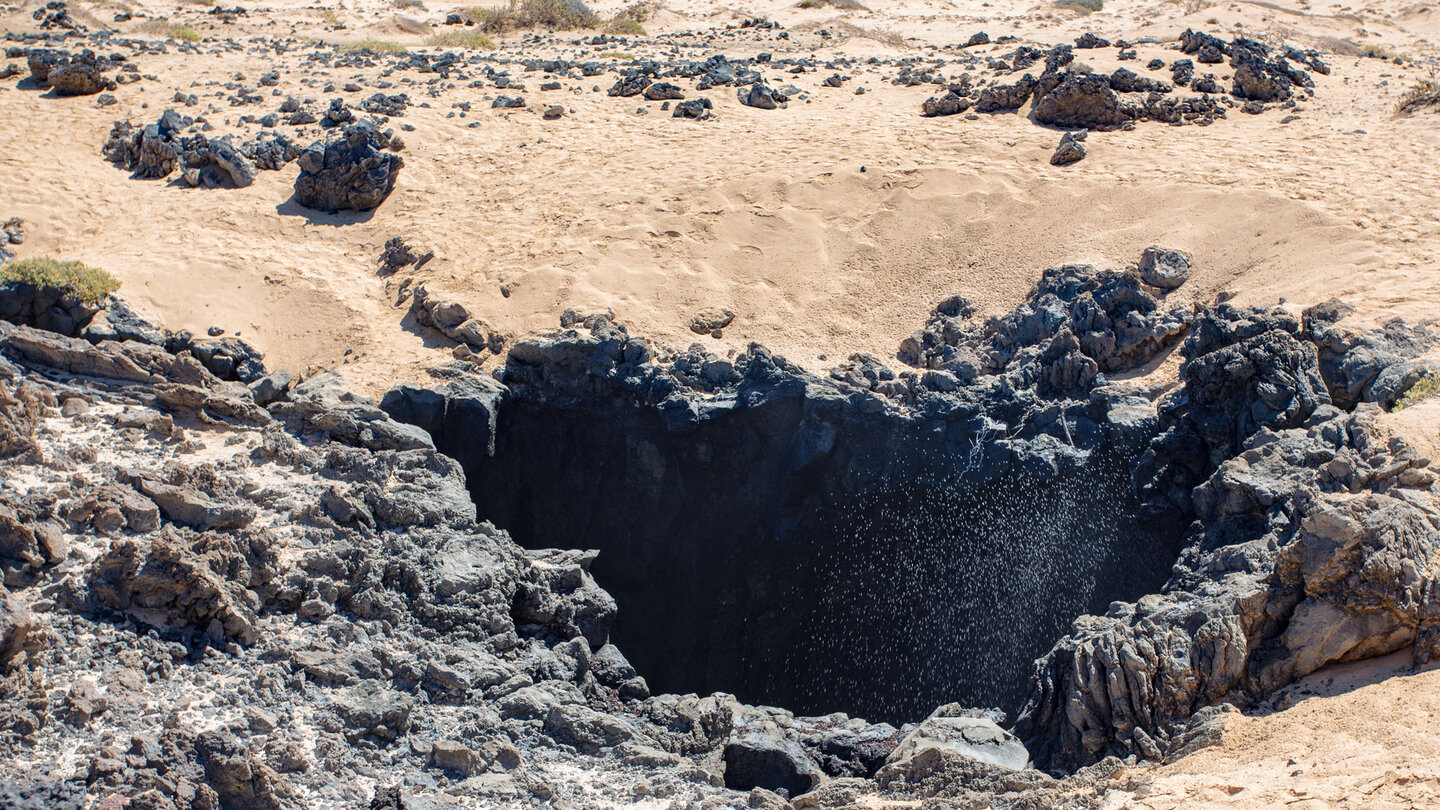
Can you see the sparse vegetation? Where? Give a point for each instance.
(87, 284)
(375, 45)
(621, 55)
(625, 27)
(1086, 6)
(627, 22)
(556, 15)
(164, 28)
(1377, 51)
(640, 11)
(403, 4)
(843, 5)
(473, 40)
(1425, 93)
(1427, 387)
(330, 17)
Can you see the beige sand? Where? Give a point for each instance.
(1363, 735)
(766, 213)
(770, 215)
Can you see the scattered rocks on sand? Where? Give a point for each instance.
(157, 150)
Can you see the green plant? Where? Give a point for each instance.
(90, 285)
(621, 55)
(184, 32)
(375, 46)
(474, 40)
(1086, 6)
(1425, 388)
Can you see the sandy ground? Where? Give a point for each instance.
(766, 213)
(830, 227)
(1362, 735)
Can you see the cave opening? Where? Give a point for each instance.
(822, 561)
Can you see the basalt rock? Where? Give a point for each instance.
(761, 97)
(1041, 367)
(1070, 150)
(696, 108)
(41, 61)
(1005, 97)
(1165, 269)
(663, 91)
(50, 308)
(159, 149)
(455, 321)
(350, 173)
(81, 75)
(1311, 551)
(1083, 101)
(291, 604)
(951, 103)
(1368, 365)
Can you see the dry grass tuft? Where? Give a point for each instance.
(1425, 93)
(556, 15)
(374, 46)
(164, 28)
(472, 40)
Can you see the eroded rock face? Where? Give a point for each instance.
(817, 461)
(321, 580)
(1310, 551)
(315, 577)
(352, 173)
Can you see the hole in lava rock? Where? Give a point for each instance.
(865, 563)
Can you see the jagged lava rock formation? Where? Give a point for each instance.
(213, 603)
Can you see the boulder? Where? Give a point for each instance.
(951, 103)
(711, 320)
(967, 733)
(764, 758)
(761, 97)
(664, 91)
(1070, 150)
(80, 78)
(1083, 101)
(1164, 268)
(351, 173)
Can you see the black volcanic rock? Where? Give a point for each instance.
(350, 173)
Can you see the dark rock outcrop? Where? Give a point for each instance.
(1083, 101)
(350, 173)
